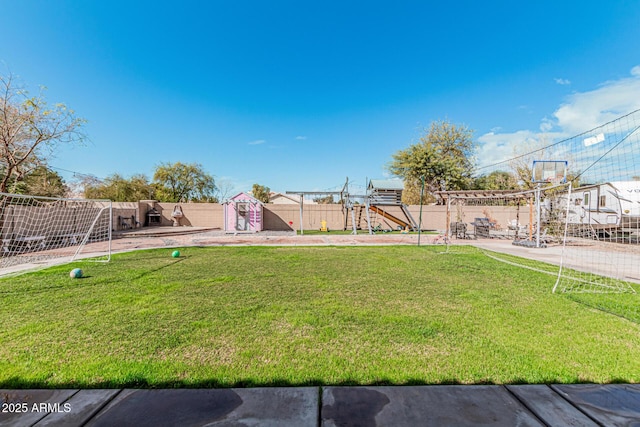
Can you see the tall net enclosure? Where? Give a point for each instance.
(489, 214)
(601, 209)
(37, 231)
(499, 221)
(594, 217)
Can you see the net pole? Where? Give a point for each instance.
(420, 219)
(538, 209)
(564, 238)
(111, 228)
(448, 221)
(301, 216)
(530, 219)
(85, 239)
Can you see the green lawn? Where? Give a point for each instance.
(249, 316)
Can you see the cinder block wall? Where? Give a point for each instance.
(434, 217)
(125, 214)
(287, 217)
(194, 214)
(278, 217)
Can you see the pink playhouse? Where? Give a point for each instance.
(242, 213)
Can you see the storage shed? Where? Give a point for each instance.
(242, 213)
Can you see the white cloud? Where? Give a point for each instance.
(500, 147)
(546, 124)
(586, 110)
(301, 138)
(257, 142)
(562, 81)
(580, 112)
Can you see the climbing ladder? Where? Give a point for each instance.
(355, 218)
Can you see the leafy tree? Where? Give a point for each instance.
(443, 157)
(30, 131)
(119, 189)
(184, 182)
(40, 181)
(260, 192)
(411, 195)
(43, 181)
(497, 180)
(523, 170)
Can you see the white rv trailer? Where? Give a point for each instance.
(612, 205)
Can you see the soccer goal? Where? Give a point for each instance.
(41, 230)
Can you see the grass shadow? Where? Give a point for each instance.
(139, 382)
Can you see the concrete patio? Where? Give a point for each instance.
(445, 405)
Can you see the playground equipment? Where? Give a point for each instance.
(384, 198)
(381, 206)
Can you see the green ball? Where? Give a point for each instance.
(76, 273)
(175, 254)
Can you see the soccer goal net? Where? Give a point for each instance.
(588, 226)
(39, 230)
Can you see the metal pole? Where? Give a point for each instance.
(366, 206)
(420, 218)
(110, 227)
(301, 203)
(353, 221)
(448, 221)
(538, 209)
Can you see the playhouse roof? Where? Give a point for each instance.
(390, 184)
(243, 197)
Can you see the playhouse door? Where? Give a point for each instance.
(242, 216)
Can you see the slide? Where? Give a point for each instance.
(390, 217)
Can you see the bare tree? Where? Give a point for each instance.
(30, 130)
(542, 149)
(224, 188)
(81, 184)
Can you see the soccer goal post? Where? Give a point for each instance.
(37, 231)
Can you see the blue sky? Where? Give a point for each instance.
(299, 95)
